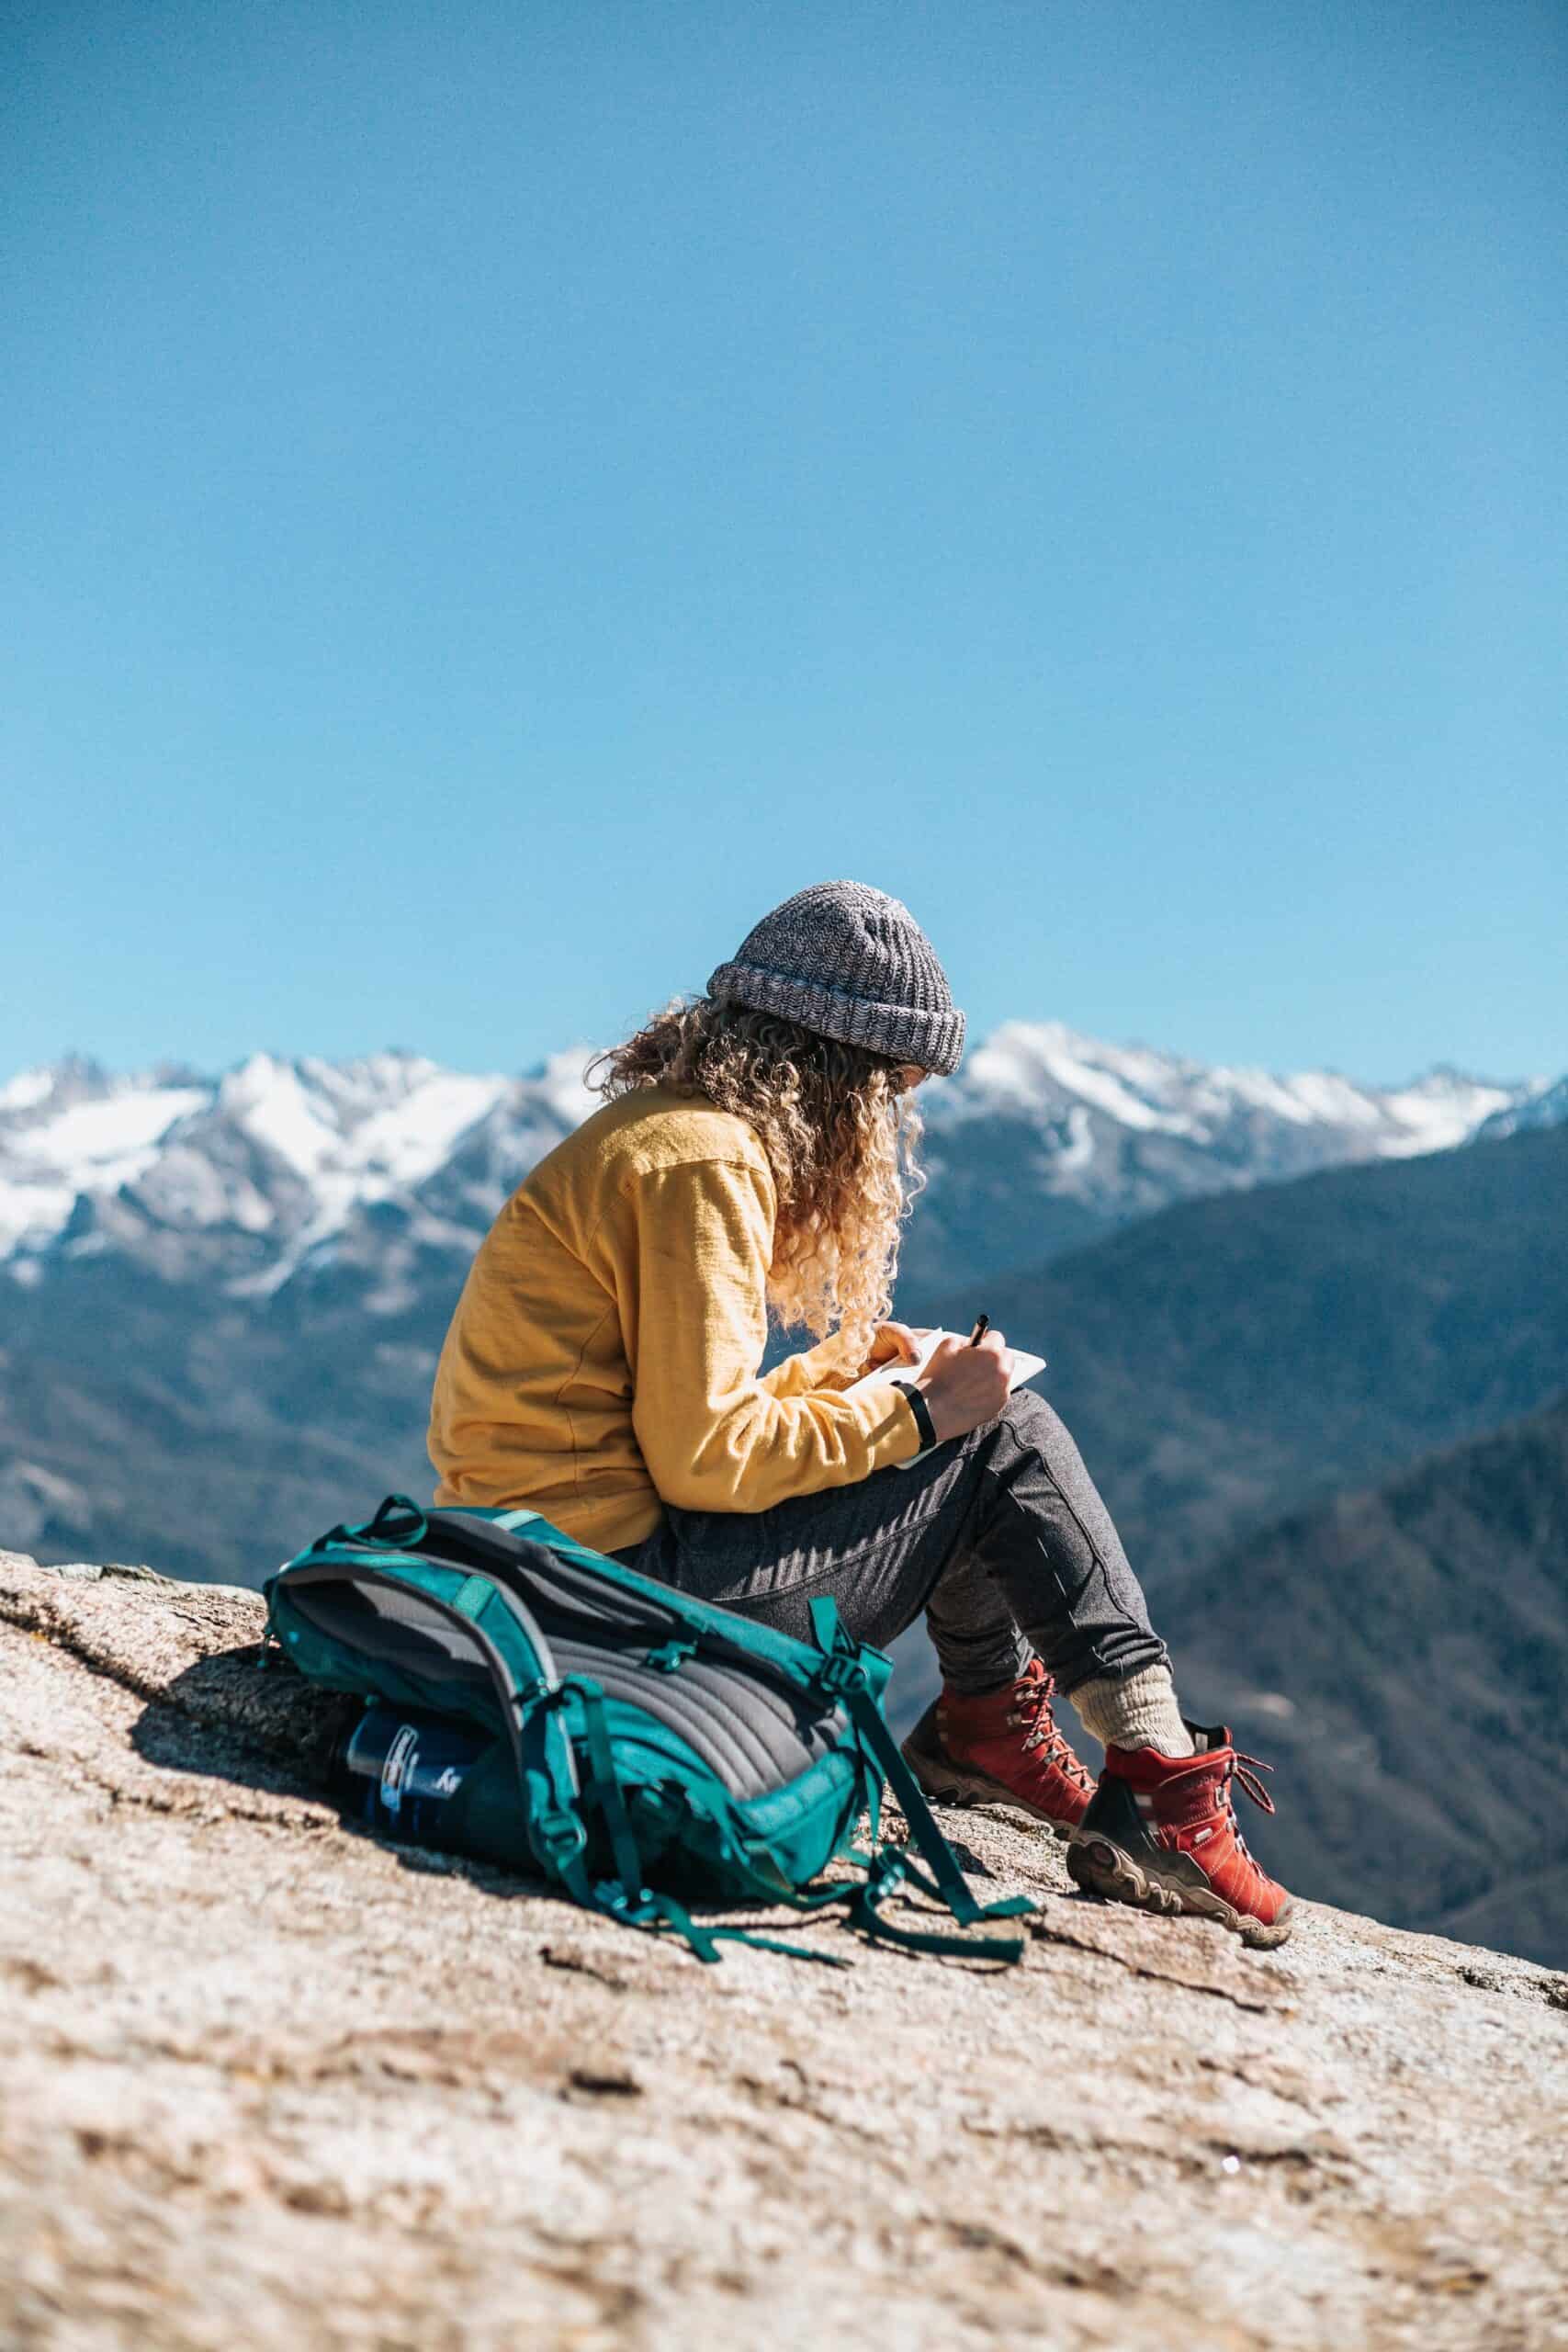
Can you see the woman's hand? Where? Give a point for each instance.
(966, 1387)
(894, 1343)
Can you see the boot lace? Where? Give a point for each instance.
(1244, 1771)
(1042, 1730)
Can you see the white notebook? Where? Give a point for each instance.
(1024, 1367)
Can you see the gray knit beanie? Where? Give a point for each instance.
(852, 964)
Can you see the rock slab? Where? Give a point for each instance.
(266, 2081)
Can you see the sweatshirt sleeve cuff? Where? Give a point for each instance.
(893, 1434)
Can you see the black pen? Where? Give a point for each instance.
(982, 1325)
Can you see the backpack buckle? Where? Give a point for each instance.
(670, 1656)
(558, 1838)
(841, 1675)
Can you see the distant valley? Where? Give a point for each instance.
(1401, 1654)
(1234, 1357)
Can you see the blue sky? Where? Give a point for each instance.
(495, 496)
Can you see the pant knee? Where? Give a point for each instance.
(1031, 1419)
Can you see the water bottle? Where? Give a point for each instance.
(401, 1773)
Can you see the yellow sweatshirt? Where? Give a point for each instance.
(603, 1357)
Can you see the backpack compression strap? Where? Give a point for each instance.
(624, 1898)
(845, 1677)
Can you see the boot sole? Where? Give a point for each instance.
(1100, 1868)
(948, 1783)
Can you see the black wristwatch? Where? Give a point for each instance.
(922, 1413)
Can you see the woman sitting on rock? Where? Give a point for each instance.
(602, 1366)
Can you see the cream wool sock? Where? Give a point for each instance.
(1135, 1711)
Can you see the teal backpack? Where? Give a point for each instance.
(642, 1751)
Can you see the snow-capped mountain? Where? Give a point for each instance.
(1046, 1071)
(1546, 1108)
(253, 1171)
(1046, 1137)
(380, 1166)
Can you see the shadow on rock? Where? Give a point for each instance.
(229, 1718)
(226, 1716)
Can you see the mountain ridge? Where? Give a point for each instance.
(1044, 1139)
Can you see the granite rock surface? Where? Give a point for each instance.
(266, 2081)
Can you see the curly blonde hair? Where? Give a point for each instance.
(841, 1131)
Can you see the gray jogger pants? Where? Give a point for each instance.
(1001, 1537)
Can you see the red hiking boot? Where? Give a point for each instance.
(1002, 1748)
(1162, 1833)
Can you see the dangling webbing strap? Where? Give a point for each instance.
(704, 1940)
(846, 1678)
